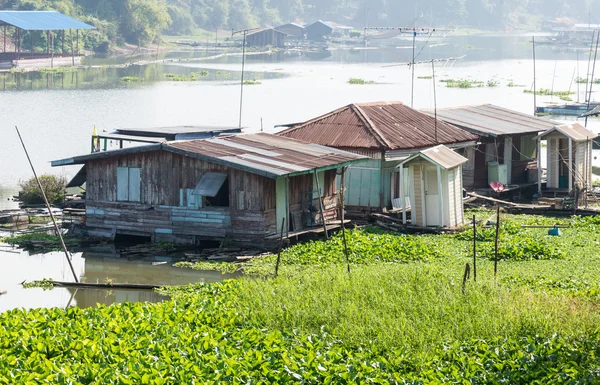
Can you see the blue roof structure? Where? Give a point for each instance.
(41, 21)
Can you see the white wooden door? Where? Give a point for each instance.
(432, 203)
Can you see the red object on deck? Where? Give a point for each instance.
(497, 186)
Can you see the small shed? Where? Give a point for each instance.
(435, 187)
(266, 37)
(293, 30)
(569, 158)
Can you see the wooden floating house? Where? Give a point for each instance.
(506, 150)
(23, 25)
(386, 132)
(435, 188)
(266, 37)
(241, 187)
(569, 159)
(293, 30)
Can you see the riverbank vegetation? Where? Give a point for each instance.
(54, 187)
(402, 315)
(143, 22)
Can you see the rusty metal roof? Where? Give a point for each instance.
(574, 131)
(259, 153)
(490, 120)
(440, 155)
(381, 125)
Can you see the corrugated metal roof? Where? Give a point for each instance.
(575, 131)
(440, 155)
(382, 125)
(176, 130)
(260, 153)
(592, 112)
(41, 21)
(490, 120)
(274, 30)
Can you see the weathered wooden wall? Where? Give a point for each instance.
(163, 215)
(249, 217)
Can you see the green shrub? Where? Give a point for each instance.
(54, 187)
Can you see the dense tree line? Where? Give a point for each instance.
(143, 21)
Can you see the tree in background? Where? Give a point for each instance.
(54, 187)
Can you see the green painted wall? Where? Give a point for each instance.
(363, 183)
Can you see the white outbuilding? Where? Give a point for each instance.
(569, 158)
(435, 188)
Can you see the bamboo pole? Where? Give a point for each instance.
(474, 249)
(321, 209)
(72, 51)
(62, 241)
(496, 241)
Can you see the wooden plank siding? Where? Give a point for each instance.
(161, 214)
(417, 206)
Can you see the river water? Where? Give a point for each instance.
(56, 114)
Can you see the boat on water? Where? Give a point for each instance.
(571, 109)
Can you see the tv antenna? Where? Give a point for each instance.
(414, 31)
(244, 32)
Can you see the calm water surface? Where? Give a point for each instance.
(95, 267)
(57, 122)
(57, 112)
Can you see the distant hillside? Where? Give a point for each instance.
(143, 21)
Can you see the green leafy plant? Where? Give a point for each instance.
(462, 83)
(359, 81)
(54, 188)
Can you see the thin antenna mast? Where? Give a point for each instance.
(534, 84)
(592, 80)
(434, 101)
(412, 81)
(578, 78)
(414, 32)
(245, 33)
(587, 76)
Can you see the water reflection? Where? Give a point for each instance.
(93, 266)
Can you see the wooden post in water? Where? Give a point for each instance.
(52, 48)
(72, 50)
(321, 209)
(62, 241)
(496, 241)
(280, 247)
(474, 249)
(342, 217)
